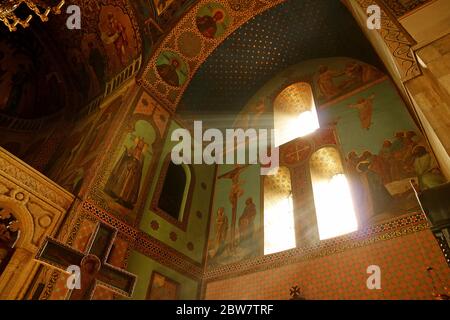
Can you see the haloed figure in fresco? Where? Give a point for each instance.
(118, 36)
(208, 24)
(247, 221)
(124, 183)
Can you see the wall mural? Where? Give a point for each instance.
(172, 69)
(333, 81)
(125, 182)
(72, 161)
(384, 150)
(236, 220)
(26, 68)
(119, 187)
(381, 145)
(212, 20)
(108, 41)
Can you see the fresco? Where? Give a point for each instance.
(117, 35)
(71, 162)
(212, 20)
(26, 68)
(127, 176)
(384, 151)
(172, 68)
(237, 220)
(108, 41)
(333, 81)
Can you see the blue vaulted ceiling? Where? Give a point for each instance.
(290, 33)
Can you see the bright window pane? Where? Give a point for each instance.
(295, 113)
(332, 196)
(279, 230)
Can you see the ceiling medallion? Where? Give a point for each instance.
(9, 8)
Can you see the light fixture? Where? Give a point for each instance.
(9, 8)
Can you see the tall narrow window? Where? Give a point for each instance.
(295, 113)
(332, 197)
(279, 230)
(174, 192)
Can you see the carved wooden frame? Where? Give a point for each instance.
(150, 285)
(39, 205)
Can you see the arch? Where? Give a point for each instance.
(279, 225)
(333, 201)
(295, 113)
(172, 197)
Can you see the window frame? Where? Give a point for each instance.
(187, 198)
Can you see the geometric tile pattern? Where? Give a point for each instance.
(403, 262)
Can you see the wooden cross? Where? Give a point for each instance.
(94, 268)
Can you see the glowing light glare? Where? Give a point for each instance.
(279, 230)
(307, 123)
(304, 124)
(334, 207)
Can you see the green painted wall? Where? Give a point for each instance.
(196, 231)
(143, 266)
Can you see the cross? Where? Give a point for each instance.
(235, 193)
(297, 151)
(94, 268)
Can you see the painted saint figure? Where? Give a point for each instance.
(124, 183)
(325, 82)
(207, 24)
(169, 72)
(247, 221)
(117, 35)
(221, 232)
(365, 110)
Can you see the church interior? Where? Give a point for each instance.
(356, 93)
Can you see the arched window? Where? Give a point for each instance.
(295, 113)
(175, 190)
(279, 230)
(332, 196)
(9, 234)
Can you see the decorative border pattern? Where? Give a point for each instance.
(401, 11)
(389, 230)
(398, 41)
(145, 244)
(239, 11)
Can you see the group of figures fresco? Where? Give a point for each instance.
(331, 83)
(381, 182)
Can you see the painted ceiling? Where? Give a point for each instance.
(113, 33)
(285, 35)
